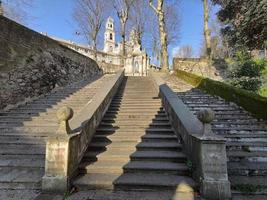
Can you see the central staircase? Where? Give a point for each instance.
(135, 148)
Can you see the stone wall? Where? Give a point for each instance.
(197, 66)
(32, 64)
(109, 68)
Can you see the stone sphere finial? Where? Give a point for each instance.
(64, 113)
(206, 116)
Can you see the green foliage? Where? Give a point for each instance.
(244, 22)
(245, 72)
(263, 91)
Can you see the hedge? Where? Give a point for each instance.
(252, 102)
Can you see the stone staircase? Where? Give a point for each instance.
(24, 129)
(135, 148)
(246, 139)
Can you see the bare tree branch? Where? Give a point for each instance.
(122, 8)
(90, 16)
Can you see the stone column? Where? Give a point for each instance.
(214, 182)
(56, 177)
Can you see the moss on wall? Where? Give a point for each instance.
(252, 102)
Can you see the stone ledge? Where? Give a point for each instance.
(64, 152)
(207, 152)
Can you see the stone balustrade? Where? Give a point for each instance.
(203, 148)
(66, 148)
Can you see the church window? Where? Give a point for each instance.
(111, 36)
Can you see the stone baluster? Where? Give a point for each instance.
(57, 173)
(213, 161)
(206, 116)
(64, 114)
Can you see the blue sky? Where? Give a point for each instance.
(55, 18)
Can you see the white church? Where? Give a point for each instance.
(137, 61)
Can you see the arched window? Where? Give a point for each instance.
(110, 36)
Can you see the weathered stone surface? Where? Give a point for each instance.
(32, 64)
(197, 66)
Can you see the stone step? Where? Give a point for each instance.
(142, 181)
(111, 145)
(246, 180)
(28, 129)
(109, 156)
(251, 122)
(134, 115)
(159, 138)
(26, 161)
(135, 111)
(137, 129)
(21, 140)
(133, 123)
(20, 178)
(245, 136)
(101, 167)
(150, 146)
(249, 146)
(240, 128)
(96, 181)
(41, 124)
(26, 134)
(130, 120)
(171, 156)
(136, 103)
(116, 138)
(156, 167)
(244, 156)
(21, 149)
(247, 168)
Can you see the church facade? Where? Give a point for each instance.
(136, 62)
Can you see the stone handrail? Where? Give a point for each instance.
(66, 148)
(203, 148)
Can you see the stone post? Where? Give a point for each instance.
(56, 177)
(214, 182)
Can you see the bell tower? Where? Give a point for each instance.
(109, 38)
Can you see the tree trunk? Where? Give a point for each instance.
(163, 37)
(123, 41)
(163, 34)
(1, 9)
(206, 29)
(95, 48)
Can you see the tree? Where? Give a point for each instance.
(138, 18)
(219, 45)
(90, 16)
(159, 10)
(206, 29)
(185, 51)
(1, 9)
(16, 10)
(246, 72)
(122, 8)
(244, 22)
